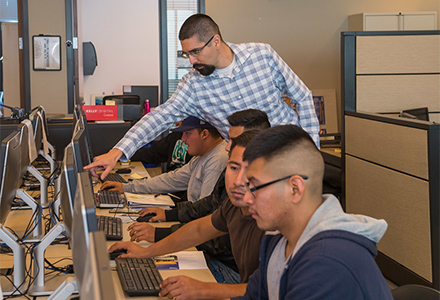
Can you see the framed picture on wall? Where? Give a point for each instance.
(46, 52)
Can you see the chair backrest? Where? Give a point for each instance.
(414, 291)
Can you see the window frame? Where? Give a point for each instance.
(163, 44)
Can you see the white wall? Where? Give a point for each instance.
(11, 73)
(126, 38)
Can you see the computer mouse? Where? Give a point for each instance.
(116, 253)
(146, 218)
(123, 171)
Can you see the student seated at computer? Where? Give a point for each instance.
(170, 150)
(231, 217)
(320, 251)
(217, 251)
(198, 176)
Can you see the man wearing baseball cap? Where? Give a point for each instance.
(198, 176)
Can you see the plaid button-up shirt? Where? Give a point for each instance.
(258, 79)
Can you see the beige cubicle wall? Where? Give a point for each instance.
(394, 73)
(390, 165)
(386, 171)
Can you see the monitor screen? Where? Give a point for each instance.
(84, 221)
(97, 282)
(68, 188)
(14, 154)
(10, 175)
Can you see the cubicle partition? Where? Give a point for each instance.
(391, 165)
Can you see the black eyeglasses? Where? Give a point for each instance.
(256, 188)
(196, 51)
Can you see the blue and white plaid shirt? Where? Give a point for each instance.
(257, 82)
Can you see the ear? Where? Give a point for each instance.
(216, 41)
(297, 187)
(204, 134)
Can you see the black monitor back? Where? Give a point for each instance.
(81, 152)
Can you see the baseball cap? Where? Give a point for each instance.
(191, 123)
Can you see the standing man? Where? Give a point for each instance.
(225, 78)
(320, 251)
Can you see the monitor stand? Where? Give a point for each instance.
(65, 290)
(40, 287)
(18, 285)
(37, 221)
(43, 185)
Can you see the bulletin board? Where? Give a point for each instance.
(46, 52)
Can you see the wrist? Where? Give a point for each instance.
(116, 154)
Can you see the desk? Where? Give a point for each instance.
(56, 252)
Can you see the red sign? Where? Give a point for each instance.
(101, 112)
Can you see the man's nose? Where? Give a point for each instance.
(248, 198)
(192, 59)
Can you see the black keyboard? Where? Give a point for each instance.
(138, 276)
(109, 199)
(112, 227)
(114, 177)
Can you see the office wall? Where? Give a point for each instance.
(305, 33)
(11, 74)
(126, 38)
(48, 88)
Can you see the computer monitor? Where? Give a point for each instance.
(80, 149)
(10, 172)
(97, 282)
(68, 183)
(416, 114)
(83, 118)
(84, 221)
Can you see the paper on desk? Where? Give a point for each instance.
(191, 260)
(137, 176)
(139, 200)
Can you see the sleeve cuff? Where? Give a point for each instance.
(172, 215)
(161, 233)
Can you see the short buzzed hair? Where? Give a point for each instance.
(244, 139)
(285, 149)
(200, 25)
(249, 119)
(275, 141)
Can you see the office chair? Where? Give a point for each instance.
(415, 292)
(124, 99)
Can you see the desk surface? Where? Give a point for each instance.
(56, 252)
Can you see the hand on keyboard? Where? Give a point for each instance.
(141, 231)
(133, 250)
(112, 186)
(182, 286)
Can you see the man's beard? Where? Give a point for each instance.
(205, 70)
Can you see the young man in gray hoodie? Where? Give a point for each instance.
(320, 251)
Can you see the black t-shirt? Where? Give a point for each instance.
(245, 237)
